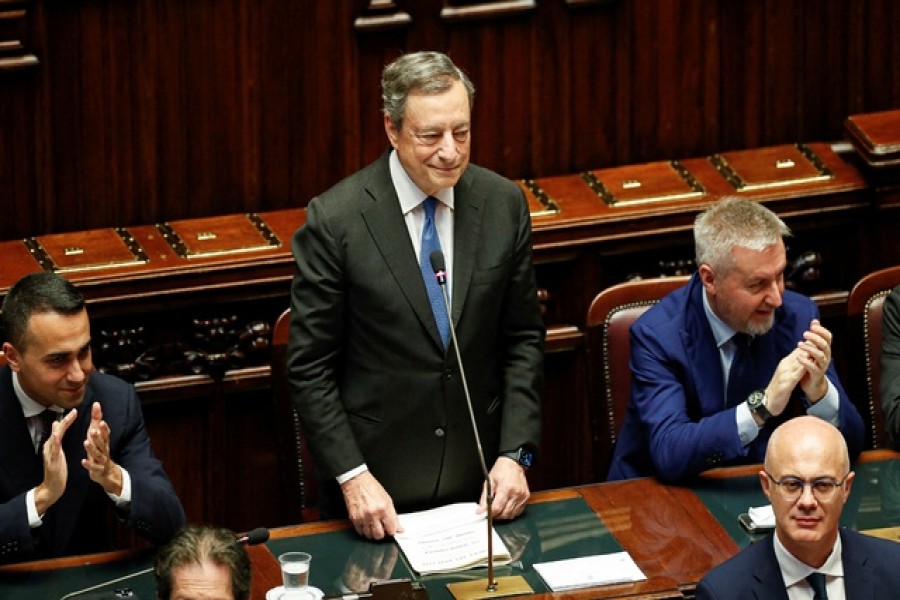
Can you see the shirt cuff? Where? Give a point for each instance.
(34, 519)
(341, 479)
(828, 408)
(123, 500)
(748, 430)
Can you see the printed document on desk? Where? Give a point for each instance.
(589, 571)
(447, 539)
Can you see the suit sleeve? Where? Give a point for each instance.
(16, 539)
(317, 325)
(155, 511)
(682, 443)
(890, 366)
(523, 333)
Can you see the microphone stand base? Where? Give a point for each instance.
(512, 585)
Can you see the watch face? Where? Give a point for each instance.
(525, 458)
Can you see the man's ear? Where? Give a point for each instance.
(707, 277)
(12, 356)
(392, 132)
(766, 484)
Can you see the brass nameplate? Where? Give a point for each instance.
(214, 236)
(86, 250)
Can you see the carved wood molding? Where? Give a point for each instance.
(14, 55)
(460, 11)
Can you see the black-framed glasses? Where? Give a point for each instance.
(823, 488)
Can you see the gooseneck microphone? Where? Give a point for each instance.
(259, 535)
(440, 272)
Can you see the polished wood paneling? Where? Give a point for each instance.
(139, 112)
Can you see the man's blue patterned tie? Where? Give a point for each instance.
(430, 243)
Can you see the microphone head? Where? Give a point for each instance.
(257, 536)
(437, 261)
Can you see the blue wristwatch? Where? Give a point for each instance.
(523, 456)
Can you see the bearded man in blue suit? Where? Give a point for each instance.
(719, 363)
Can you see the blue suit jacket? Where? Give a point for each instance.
(677, 425)
(80, 521)
(870, 571)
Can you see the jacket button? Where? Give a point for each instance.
(439, 432)
(448, 373)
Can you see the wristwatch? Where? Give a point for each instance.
(523, 456)
(756, 402)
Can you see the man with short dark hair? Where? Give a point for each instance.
(807, 478)
(73, 446)
(203, 562)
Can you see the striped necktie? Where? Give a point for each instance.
(44, 427)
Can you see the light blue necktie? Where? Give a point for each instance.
(430, 243)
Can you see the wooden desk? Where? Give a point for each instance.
(675, 535)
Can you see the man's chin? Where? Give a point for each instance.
(70, 400)
(760, 327)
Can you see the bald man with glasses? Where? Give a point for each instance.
(807, 478)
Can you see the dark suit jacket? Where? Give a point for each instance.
(890, 366)
(676, 425)
(369, 376)
(870, 571)
(79, 521)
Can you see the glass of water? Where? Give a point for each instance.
(295, 572)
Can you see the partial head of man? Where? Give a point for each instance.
(203, 563)
(741, 260)
(427, 117)
(807, 479)
(47, 339)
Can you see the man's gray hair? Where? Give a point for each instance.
(734, 222)
(425, 72)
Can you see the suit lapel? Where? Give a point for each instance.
(384, 220)
(19, 462)
(859, 578)
(701, 350)
(769, 584)
(466, 232)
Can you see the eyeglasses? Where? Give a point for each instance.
(823, 488)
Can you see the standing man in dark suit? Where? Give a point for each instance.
(719, 363)
(63, 471)
(807, 478)
(889, 385)
(373, 376)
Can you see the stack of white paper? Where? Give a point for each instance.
(449, 538)
(589, 571)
